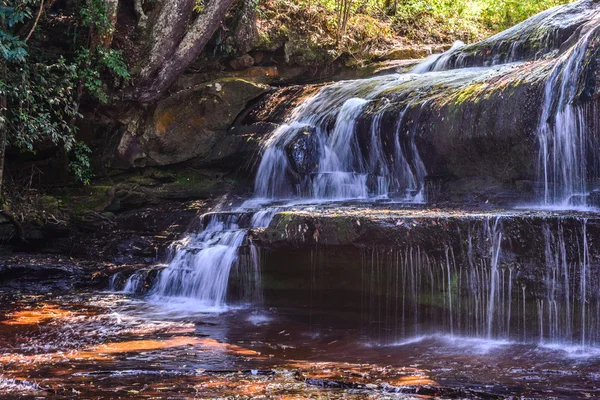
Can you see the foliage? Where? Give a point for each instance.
(502, 14)
(12, 48)
(91, 64)
(80, 163)
(40, 104)
(43, 89)
(432, 20)
(92, 59)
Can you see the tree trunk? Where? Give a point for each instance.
(112, 8)
(246, 32)
(168, 25)
(173, 50)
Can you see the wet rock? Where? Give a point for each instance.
(303, 151)
(46, 272)
(137, 236)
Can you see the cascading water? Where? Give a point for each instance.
(202, 263)
(198, 276)
(330, 163)
(340, 165)
(567, 132)
(482, 291)
(564, 134)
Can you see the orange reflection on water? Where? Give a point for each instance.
(136, 346)
(37, 315)
(414, 380)
(213, 344)
(107, 351)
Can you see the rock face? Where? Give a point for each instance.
(417, 272)
(192, 124)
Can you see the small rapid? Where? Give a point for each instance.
(197, 276)
(202, 263)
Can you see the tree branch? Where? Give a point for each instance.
(29, 27)
(168, 28)
(139, 12)
(37, 19)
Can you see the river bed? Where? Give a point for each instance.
(94, 344)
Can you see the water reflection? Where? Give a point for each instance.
(103, 343)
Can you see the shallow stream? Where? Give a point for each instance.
(107, 345)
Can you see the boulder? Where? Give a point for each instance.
(191, 124)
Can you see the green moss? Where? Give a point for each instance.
(190, 183)
(472, 93)
(94, 198)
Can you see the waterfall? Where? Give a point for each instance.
(330, 162)
(198, 276)
(202, 263)
(563, 133)
(361, 140)
(343, 160)
(566, 134)
(481, 290)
